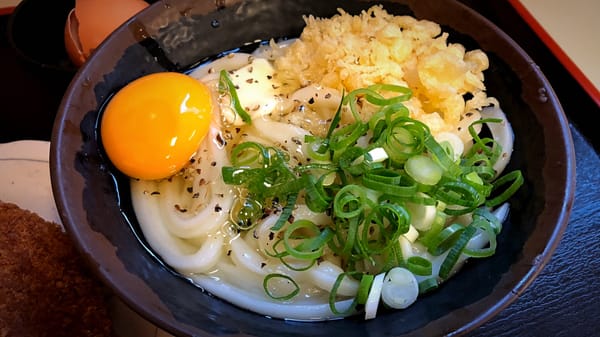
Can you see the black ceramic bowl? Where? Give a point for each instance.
(94, 205)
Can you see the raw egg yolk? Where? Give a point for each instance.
(152, 127)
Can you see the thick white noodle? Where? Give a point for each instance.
(324, 275)
(282, 135)
(463, 128)
(272, 50)
(175, 251)
(210, 71)
(502, 133)
(216, 195)
(244, 256)
(234, 258)
(251, 300)
(457, 144)
(263, 233)
(323, 100)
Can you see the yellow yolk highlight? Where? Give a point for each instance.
(152, 127)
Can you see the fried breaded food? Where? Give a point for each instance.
(45, 287)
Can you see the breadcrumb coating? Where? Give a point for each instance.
(45, 287)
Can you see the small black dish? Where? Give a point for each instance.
(36, 32)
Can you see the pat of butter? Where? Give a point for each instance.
(256, 90)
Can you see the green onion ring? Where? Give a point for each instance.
(333, 295)
(419, 265)
(227, 86)
(456, 251)
(428, 285)
(283, 297)
(445, 239)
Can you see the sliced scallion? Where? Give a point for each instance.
(423, 170)
(284, 297)
(227, 86)
(456, 251)
(377, 178)
(419, 265)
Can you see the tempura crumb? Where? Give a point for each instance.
(348, 52)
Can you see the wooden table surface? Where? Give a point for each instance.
(562, 301)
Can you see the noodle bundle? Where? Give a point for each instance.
(352, 175)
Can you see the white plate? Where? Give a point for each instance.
(25, 181)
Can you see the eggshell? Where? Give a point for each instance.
(99, 18)
(72, 43)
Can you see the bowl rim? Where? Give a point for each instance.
(71, 211)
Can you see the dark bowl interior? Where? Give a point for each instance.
(94, 204)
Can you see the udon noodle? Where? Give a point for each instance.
(205, 228)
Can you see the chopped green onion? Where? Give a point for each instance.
(284, 297)
(390, 182)
(318, 148)
(422, 215)
(333, 296)
(250, 154)
(485, 226)
(484, 212)
(517, 180)
(376, 178)
(383, 226)
(458, 193)
(480, 145)
(286, 213)
(347, 136)
(428, 285)
(419, 265)
(394, 256)
(441, 157)
(350, 201)
(317, 198)
(403, 138)
(456, 251)
(437, 226)
(344, 240)
(423, 170)
(444, 239)
(363, 288)
(311, 247)
(283, 256)
(227, 86)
